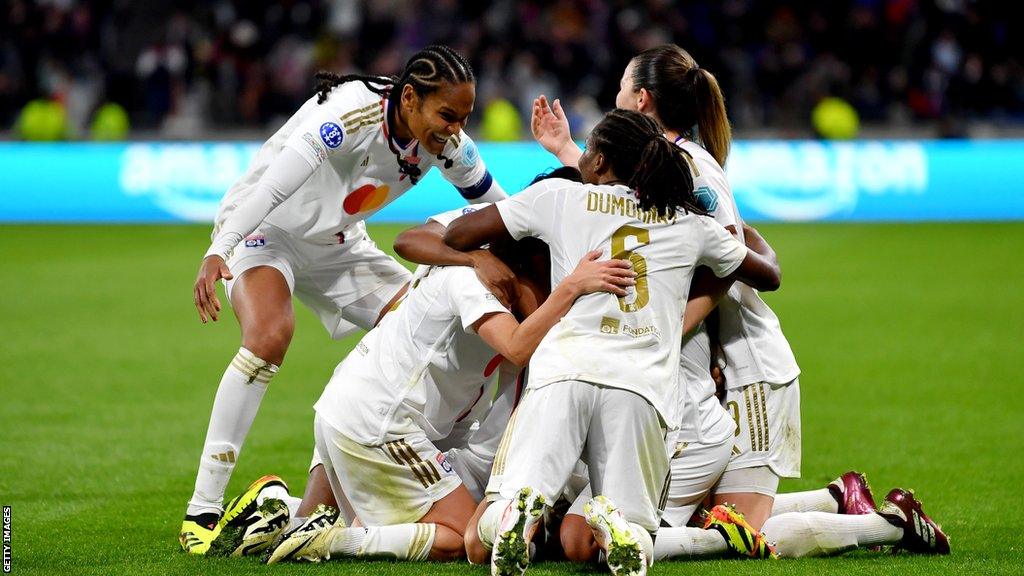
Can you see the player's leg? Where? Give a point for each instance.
(848, 494)
(900, 522)
(695, 468)
(767, 447)
(544, 443)
(412, 507)
(260, 296)
(629, 471)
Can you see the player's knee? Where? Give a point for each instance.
(270, 342)
(577, 539)
(476, 553)
(448, 549)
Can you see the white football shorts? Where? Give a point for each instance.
(392, 483)
(617, 433)
(346, 285)
(767, 428)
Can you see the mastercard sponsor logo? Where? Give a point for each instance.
(365, 198)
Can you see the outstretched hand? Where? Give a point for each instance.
(591, 275)
(549, 126)
(212, 269)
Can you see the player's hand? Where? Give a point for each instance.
(591, 275)
(549, 126)
(212, 269)
(496, 276)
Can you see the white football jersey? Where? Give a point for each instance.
(422, 368)
(347, 142)
(755, 348)
(631, 342)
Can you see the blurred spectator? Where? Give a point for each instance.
(189, 67)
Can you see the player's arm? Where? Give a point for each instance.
(424, 244)
(706, 291)
(283, 177)
(476, 229)
(517, 342)
(551, 130)
(303, 153)
(462, 166)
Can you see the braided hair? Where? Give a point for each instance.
(426, 72)
(652, 166)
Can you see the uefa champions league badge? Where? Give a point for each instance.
(468, 210)
(470, 155)
(442, 461)
(331, 134)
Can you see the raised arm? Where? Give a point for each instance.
(517, 342)
(551, 130)
(476, 229)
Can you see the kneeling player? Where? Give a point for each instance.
(404, 386)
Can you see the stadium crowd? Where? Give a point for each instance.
(187, 68)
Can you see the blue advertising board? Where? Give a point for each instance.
(771, 180)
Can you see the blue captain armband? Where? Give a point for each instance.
(479, 189)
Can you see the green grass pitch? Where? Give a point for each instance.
(911, 340)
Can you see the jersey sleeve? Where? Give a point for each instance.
(323, 134)
(446, 218)
(286, 173)
(470, 299)
(720, 250)
(531, 212)
(461, 164)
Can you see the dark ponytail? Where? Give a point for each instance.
(685, 95)
(651, 165)
(426, 72)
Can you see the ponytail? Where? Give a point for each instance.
(712, 123)
(685, 95)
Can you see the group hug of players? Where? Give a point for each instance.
(581, 371)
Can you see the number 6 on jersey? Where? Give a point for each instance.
(641, 237)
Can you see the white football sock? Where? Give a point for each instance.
(234, 408)
(818, 533)
(281, 493)
(400, 541)
(487, 526)
(688, 542)
(810, 501)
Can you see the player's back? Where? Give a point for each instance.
(629, 342)
(422, 363)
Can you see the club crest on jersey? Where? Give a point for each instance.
(255, 241)
(442, 461)
(331, 134)
(470, 155)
